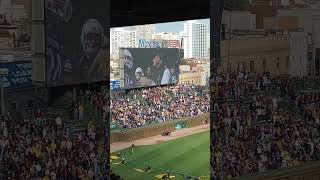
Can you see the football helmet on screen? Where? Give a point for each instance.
(61, 8)
(128, 59)
(92, 36)
(139, 72)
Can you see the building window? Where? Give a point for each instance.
(278, 62)
(264, 64)
(288, 61)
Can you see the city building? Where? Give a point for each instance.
(266, 12)
(273, 2)
(121, 38)
(259, 55)
(195, 75)
(166, 36)
(184, 68)
(208, 43)
(143, 31)
(308, 20)
(205, 67)
(241, 20)
(172, 43)
(114, 69)
(193, 78)
(299, 64)
(195, 40)
(286, 23)
(167, 39)
(194, 62)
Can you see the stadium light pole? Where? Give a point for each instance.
(3, 72)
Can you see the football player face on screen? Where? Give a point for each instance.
(128, 59)
(139, 74)
(92, 38)
(156, 61)
(149, 72)
(94, 55)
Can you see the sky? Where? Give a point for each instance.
(175, 27)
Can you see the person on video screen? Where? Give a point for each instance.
(129, 73)
(141, 80)
(174, 78)
(148, 75)
(161, 74)
(92, 65)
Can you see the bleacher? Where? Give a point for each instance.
(62, 107)
(306, 84)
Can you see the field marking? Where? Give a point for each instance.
(117, 146)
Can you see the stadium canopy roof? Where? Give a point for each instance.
(139, 12)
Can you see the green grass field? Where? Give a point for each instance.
(188, 155)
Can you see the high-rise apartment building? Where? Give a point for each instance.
(121, 38)
(166, 36)
(143, 31)
(195, 42)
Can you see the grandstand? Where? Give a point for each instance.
(31, 140)
(274, 133)
(147, 106)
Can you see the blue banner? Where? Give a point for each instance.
(19, 76)
(114, 84)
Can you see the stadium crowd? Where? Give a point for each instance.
(43, 148)
(226, 86)
(255, 134)
(95, 99)
(306, 100)
(157, 104)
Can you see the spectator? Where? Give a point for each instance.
(260, 134)
(48, 151)
(158, 104)
(81, 110)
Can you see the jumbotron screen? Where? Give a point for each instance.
(145, 67)
(76, 41)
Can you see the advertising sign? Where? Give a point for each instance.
(114, 84)
(181, 125)
(19, 75)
